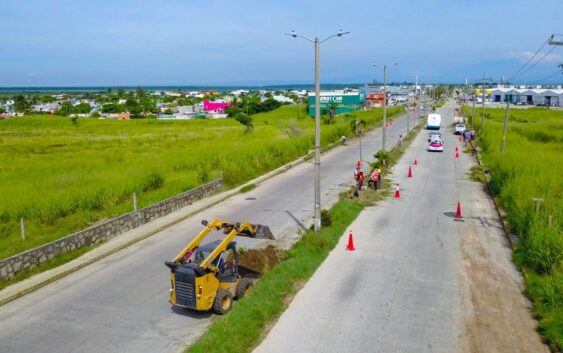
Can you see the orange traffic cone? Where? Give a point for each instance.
(456, 154)
(410, 172)
(397, 192)
(456, 149)
(350, 246)
(416, 162)
(458, 213)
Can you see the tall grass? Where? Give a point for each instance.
(61, 177)
(531, 167)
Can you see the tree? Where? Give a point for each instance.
(65, 109)
(82, 108)
(121, 93)
(244, 120)
(140, 93)
(21, 104)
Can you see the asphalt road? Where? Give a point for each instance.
(120, 304)
(400, 290)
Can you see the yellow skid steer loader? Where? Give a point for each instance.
(205, 277)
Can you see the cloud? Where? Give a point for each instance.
(524, 56)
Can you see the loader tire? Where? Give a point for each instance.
(223, 302)
(244, 287)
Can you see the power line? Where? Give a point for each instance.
(537, 62)
(552, 74)
(523, 66)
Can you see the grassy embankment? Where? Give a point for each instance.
(63, 176)
(247, 323)
(531, 167)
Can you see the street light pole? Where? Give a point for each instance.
(317, 42)
(317, 220)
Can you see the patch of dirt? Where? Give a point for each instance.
(496, 315)
(260, 260)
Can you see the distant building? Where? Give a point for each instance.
(49, 108)
(551, 97)
(341, 101)
(282, 99)
(215, 107)
(375, 99)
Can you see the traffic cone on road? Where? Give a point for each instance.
(456, 154)
(458, 213)
(410, 172)
(350, 246)
(456, 149)
(397, 192)
(358, 165)
(416, 162)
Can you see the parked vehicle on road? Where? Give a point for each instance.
(436, 145)
(459, 129)
(434, 122)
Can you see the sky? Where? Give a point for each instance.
(214, 42)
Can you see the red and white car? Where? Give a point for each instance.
(436, 145)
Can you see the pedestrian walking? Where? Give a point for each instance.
(465, 137)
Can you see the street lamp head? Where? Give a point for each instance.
(396, 63)
(293, 34)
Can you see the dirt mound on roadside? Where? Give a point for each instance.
(260, 260)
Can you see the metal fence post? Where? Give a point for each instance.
(134, 201)
(22, 227)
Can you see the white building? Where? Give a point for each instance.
(552, 97)
(283, 99)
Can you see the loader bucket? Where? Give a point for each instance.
(261, 232)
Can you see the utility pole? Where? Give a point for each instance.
(505, 126)
(384, 104)
(483, 101)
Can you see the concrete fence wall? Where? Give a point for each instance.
(104, 231)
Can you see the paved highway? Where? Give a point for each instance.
(120, 304)
(398, 292)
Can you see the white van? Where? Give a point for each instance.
(434, 122)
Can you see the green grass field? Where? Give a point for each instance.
(530, 167)
(63, 176)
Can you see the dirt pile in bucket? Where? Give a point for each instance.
(260, 260)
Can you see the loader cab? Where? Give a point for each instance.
(225, 263)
